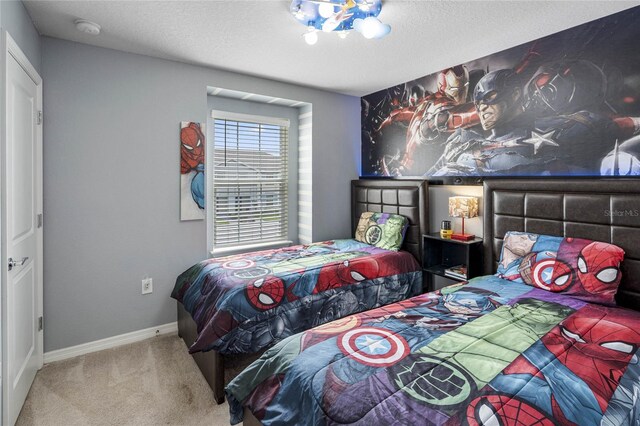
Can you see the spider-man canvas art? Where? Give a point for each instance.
(192, 146)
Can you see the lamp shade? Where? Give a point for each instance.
(463, 207)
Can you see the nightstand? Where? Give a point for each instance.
(440, 253)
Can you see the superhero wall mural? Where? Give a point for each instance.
(567, 104)
(192, 141)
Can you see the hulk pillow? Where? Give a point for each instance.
(383, 230)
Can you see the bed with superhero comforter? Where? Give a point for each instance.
(539, 343)
(488, 352)
(245, 303)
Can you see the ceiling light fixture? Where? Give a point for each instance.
(299, 13)
(339, 16)
(87, 26)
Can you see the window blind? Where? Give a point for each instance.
(250, 179)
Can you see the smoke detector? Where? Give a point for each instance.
(87, 26)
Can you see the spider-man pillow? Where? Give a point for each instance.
(584, 269)
(383, 230)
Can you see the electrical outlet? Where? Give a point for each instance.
(147, 285)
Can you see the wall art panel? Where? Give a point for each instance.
(192, 146)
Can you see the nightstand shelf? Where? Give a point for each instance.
(441, 253)
(436, 270)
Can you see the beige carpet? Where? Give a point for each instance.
(154, 382)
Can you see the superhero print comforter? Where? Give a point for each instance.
(490, 352)
(245, 303)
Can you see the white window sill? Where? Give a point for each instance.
(228, 251)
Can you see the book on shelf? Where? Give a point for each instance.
(458, 271)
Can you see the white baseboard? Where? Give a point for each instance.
(109, 342)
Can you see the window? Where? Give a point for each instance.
(250, 179)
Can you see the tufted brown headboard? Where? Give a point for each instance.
(597, 209)
(409, 198)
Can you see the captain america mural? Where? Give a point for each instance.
(564, 105)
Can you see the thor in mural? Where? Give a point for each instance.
(567, 104)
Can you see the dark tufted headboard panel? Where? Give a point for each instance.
(597, 209)
(409, 198)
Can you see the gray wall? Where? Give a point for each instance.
(111, 172)
(267, 110)
(15, 19)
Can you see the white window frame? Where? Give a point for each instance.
(209, 207)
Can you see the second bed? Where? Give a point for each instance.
(246, 303)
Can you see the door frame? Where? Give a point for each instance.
(10, 47)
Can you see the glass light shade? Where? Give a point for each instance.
(326, 9)
(311, 37)
(370, 27)
(466, 207)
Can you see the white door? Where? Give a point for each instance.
(21, 230)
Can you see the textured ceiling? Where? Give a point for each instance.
(261, 38)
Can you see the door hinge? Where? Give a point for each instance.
(40, 324)
(39, 118)
(39, 220)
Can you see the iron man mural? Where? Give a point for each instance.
(564, 105)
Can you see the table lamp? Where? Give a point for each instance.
(464, 207)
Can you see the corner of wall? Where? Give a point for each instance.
(305, 174)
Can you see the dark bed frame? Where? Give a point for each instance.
(409, 198)
(598, 209)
